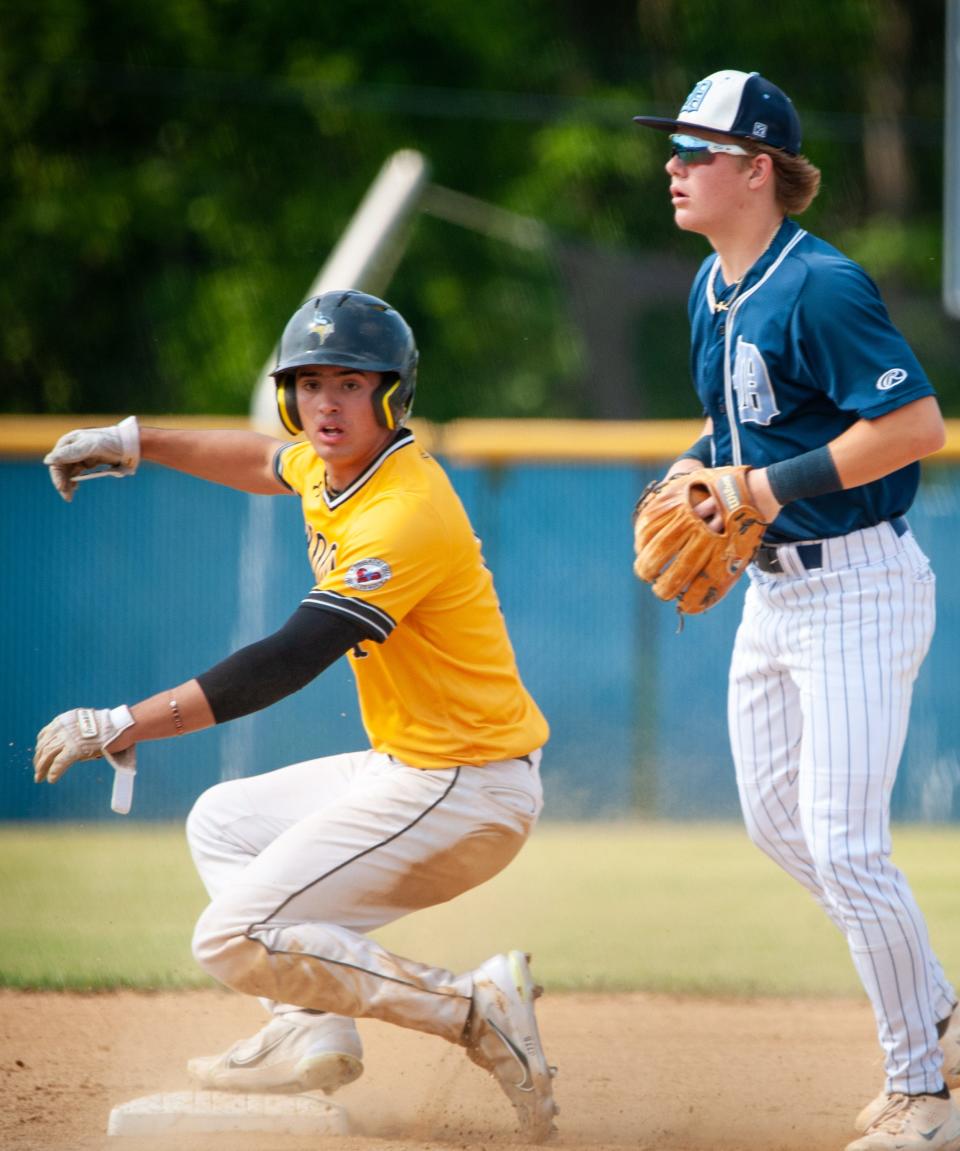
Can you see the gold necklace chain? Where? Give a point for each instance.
(725, 305)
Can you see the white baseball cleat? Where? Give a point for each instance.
(870, 1112)
(502, 1038)
(284, 1057)
(912, 1123)
(949, 1045)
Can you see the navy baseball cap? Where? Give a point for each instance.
(737, 104)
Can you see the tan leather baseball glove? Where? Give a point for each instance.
(678, 554)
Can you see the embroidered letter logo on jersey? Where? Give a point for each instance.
(367, 575)
(321, 553)
(890, 379)
(756, 402)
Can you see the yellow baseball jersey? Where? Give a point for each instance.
(437, 677)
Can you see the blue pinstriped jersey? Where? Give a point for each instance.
(787, 361)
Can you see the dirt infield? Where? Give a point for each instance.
(636, 1071)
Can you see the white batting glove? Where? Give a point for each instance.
(112, 451)
(82, 733)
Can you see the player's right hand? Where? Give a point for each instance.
(114, 450)
(82, 733)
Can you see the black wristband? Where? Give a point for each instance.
(812, 474)
(702, 450)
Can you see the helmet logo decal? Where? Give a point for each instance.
(321, 328)
(367, 575)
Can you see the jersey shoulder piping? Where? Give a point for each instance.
(376, 622)
(788, 248)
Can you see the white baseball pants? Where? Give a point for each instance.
(819, 697)
(301, 862)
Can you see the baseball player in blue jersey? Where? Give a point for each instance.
(804, 379)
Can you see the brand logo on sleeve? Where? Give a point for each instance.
(890, 379)
(367, 574)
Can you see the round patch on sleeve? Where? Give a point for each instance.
(367, 574)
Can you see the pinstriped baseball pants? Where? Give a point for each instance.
(818, 707)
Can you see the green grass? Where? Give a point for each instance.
(632, 906)
(97, 907)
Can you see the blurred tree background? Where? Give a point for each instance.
(175, 173)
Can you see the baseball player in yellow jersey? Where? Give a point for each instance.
(302, 862)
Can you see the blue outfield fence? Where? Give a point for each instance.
(139, 585)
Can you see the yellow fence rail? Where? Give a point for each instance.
(480, 441)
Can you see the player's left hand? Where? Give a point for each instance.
(82, 733)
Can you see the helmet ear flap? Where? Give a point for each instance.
(287, 403)
(384, 398)
(393, 396)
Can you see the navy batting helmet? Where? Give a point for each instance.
(350, 330)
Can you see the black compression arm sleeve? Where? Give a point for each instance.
(257, 676)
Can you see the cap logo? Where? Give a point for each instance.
(697, 96)
(367, 574)
(322, 327)
(760, 130)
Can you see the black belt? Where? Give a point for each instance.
(810, 555)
